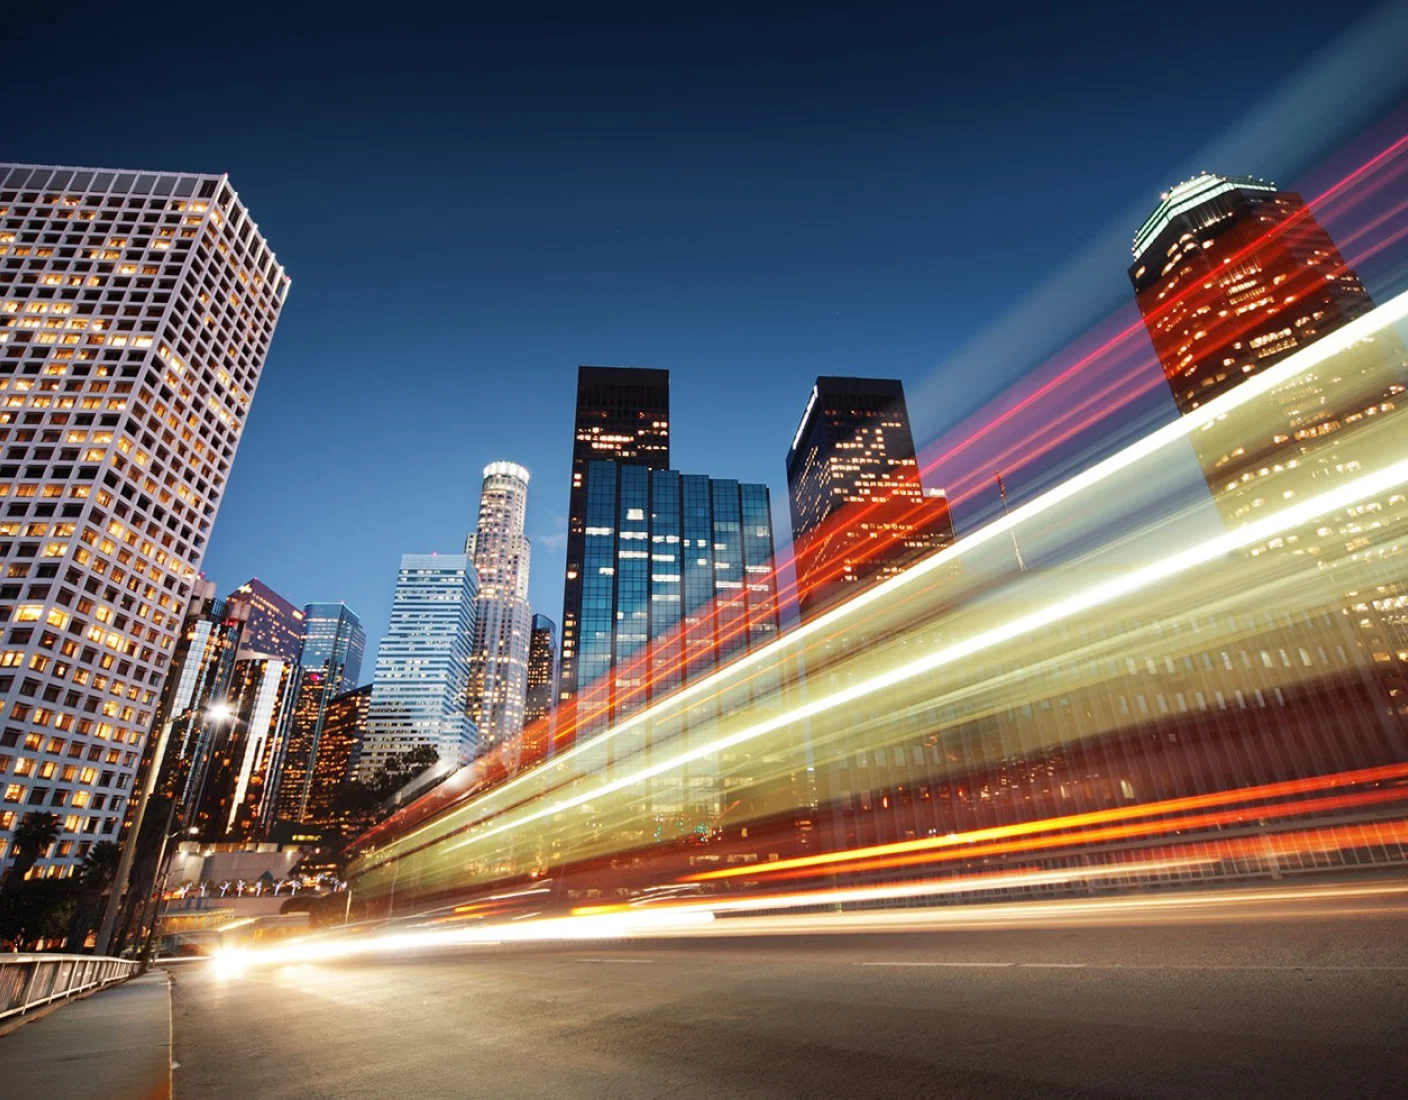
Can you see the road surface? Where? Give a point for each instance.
(1276, 999)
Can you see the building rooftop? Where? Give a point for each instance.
(1187, 195)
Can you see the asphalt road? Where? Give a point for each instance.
(1269, 1000)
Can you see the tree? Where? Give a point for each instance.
(40, 909)
(95, 875)
(31, 839)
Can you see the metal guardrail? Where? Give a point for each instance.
(28, 981)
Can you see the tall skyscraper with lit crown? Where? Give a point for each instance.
(136, 311)
(498, 665)
(1233, 275)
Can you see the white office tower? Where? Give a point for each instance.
(136, 311)
(503, 628)
(422, 667)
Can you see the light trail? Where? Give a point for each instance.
(1284, 789)
(768, 915)
(1095, 596)
(1251, 390)
(1337, 193)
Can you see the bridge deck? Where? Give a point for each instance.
(115, 1043)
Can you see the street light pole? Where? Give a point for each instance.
(163, 863)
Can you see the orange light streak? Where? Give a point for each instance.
(1282, 789)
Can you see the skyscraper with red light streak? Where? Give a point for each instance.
(1232, 276)
(859, 510)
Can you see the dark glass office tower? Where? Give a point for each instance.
(344, 730)
(542, 670)
(333, 645)
(240, 797)
(193, 708)
(623, 414)
(678, 577)
(860, 512)
(273, 625)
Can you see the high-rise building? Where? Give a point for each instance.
(240, 801)
(344, 730)
(498, 665)
(678, 577)
(623, 414)
(421, 680)
(1232, 276)
(332, 648)
(334, 642)
(860, 512)
(273, 626)
(542, 670)
(193, 705)
(136, 311)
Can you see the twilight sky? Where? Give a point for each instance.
(472, 202)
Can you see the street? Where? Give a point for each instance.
(1276, 998)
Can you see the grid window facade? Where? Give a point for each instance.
(623, 414)
(136, 311)
(419, 688)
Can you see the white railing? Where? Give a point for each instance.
(28, 981)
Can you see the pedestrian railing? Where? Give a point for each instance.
(28, 981)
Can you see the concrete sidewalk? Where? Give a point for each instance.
(113, 1045)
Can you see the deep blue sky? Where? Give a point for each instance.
(472, 204)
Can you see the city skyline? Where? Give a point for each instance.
(766, 288)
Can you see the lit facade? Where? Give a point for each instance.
(623, 414)
(860, 512)
(187, 728)
(421, 681)
(273, 625)
(240, 800)
(498, 666)
(1232, 276)
(332, 648)
(344, 730)
(542, 670)
(678, 577)
(136, 311)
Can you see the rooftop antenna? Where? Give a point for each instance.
(1016, 550)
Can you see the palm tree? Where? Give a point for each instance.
(95, 875)
(31, 839)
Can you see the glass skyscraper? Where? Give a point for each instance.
(419, 687)
(498, 665)
(136, 311)
(678, 577)
(623, 414)
(542, 670)
(859, 510)
(344, 730)
(273, 626)
(186, 733)
(331, 662)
